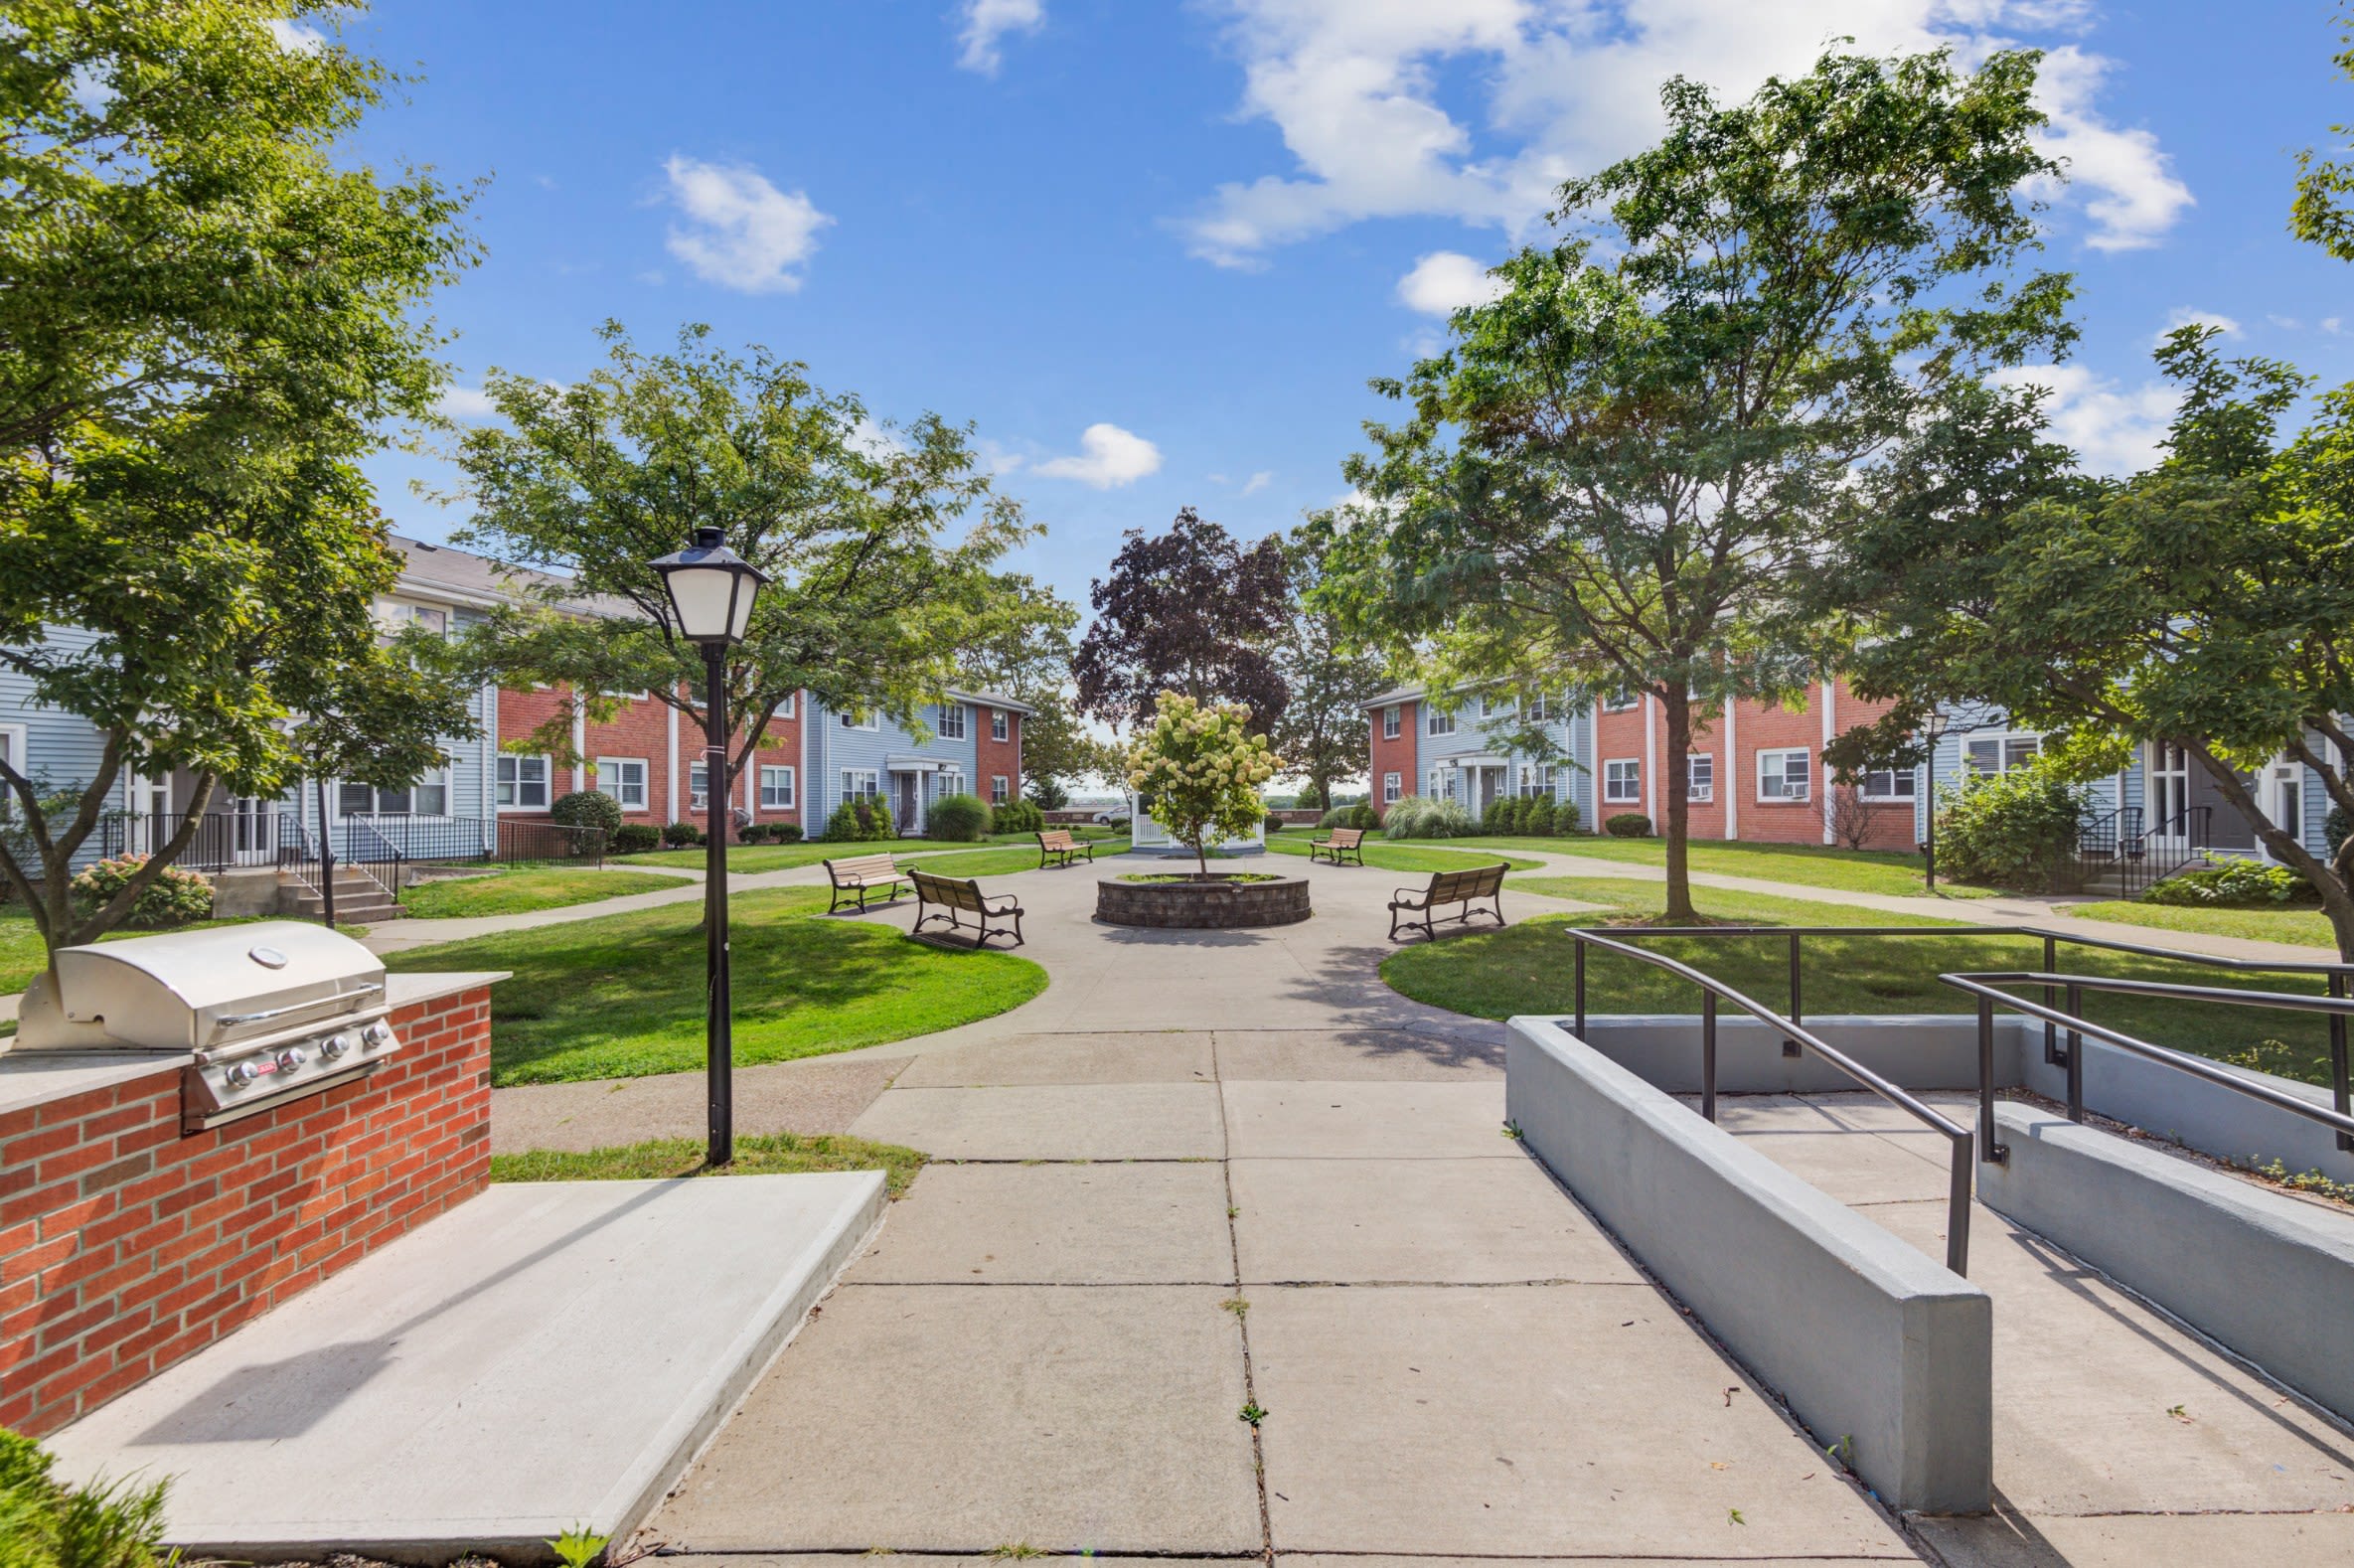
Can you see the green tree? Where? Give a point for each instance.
(879, 545)
(1322, 731)
(2207, 603)
(2323, 212)
(204, 318)
(1198, 769)
(1623, 469)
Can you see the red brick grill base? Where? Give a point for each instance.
(125, 1246)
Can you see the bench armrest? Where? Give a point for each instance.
(1001, 903)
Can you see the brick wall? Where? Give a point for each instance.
(1395, 755)
(642, 728)
(125, 1246)
(994, 757)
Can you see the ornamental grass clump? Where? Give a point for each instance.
(1201, 769)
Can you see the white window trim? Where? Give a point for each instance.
(964, 727)
(792, 787)
(951, 782)
(1864, 789)
(784, 710)
(645, 782)
(444, 772)
(699, 799)
(1000, 789)
(1623, 700)
(1775, 754)
(851, 791)
(1634, 795)
(1434, 718)
(1695, 791)
(1001, 724)
(871, 722)
(546, 783)
(1393, 722)
(1392, 789)
(2001, 739)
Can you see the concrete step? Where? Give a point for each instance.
(548, 1355)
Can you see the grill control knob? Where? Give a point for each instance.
(240, 1074)
(335, 1047)
(380, 1035)
(291, 1057)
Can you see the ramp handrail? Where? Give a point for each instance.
(1713, 990)
(1985, 986)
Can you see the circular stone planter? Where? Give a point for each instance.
(1218, 902)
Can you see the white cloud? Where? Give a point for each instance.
(1108, 457)
(466, 402)
(2285, 323)
(295, 38)
(875, 439)
(987, 22)
(1258, 482)
(2111, 429)
(2184, 316)
(2333, 325)
(1445, 281)
(742, 232)
(1563, 86)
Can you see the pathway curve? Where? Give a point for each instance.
(1209, 1176)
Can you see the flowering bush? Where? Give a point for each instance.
(1201, 769)
(174, 899)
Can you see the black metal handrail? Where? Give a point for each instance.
(1712, 990)
(1986, 987)
(2336, 972)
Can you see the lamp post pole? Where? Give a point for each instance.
(718, 1046)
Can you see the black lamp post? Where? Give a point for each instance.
(711, 591)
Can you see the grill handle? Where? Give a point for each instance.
(231, 1020)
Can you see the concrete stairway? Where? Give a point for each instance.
(360, 899)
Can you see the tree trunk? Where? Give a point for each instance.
(1674, 787)
(2337, 901)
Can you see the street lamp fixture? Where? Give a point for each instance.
(711, 589)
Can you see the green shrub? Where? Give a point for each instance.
(2235, 885)
(1428, 817)
(1337, 817)
(585, 808)
(1628, 825)
(1541, 817)
(2012, 830)
(173, 899)
(1274, 824)
(784, 832)
(1363, 816)
(635, 838)
(681, 834)
(1016, 816)
(858, 821)
(752, 833)
(960, 819)
(2335, 827)
(47, 1523)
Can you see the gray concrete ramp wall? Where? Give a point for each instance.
(2269, 1276)
(1866, 1339)
(1920, 1051)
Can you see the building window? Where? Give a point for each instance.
(1391, 788)
(860, 784)
(1784, 775)
(1619, 700)
(999, 791)
(776, 789)
(1536, 709)
(1699, 776)
(427, 797)
(523, 783)
(698, 786)
(951, 782)
(952, 721)
(1001, 724)
(1992, 754)
(861, 722)
(1890, 784)
(1438, 784)
(784, 710)
(1538, 779)
(395, 616)
(1499, 706)
(623, 778)
(1621, 781)
(1439, 724)
(12, 752)
(1392, 722)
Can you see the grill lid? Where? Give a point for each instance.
(202, 990)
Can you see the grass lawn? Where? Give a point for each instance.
(1003, 860)
(2305, 927)
(1460, 855)
(622, 996)
(745, 858)
(1809, 864)
(21, 956)
(520, 893)
(758, 1153)
(1527, 967)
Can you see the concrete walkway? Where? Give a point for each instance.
(1216, 1175)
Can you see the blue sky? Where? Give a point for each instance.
(1153, 251)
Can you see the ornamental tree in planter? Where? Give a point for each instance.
(1201, 769)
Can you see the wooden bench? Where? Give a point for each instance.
(1056, 846)
(862, 874)
(1343, 846)
(1450, 888)
(960, 896)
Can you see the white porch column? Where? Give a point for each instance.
(1731, 775)
(673, 773)
(579, 748)
(1652, 761)
(1829, 705)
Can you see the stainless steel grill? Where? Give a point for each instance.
(272, 1011)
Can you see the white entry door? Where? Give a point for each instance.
(2170, 794)
(2281, 793)
(253, 830)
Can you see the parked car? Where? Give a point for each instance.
(1112, 816)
